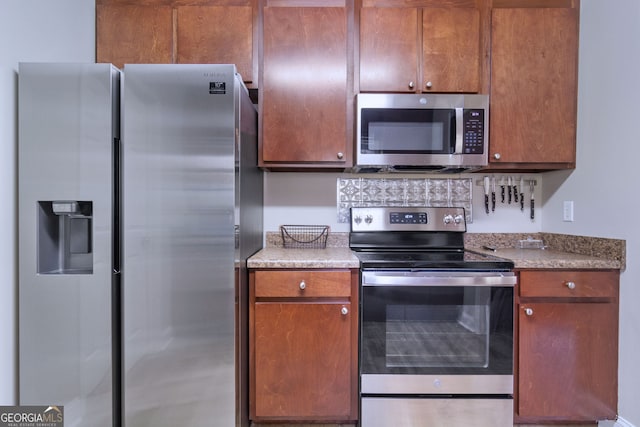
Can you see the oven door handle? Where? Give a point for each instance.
(372, 278)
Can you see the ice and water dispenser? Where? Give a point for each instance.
(65, 237)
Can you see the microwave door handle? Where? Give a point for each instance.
(459, 130)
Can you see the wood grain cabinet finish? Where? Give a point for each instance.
(133, 33)
(420, 49)
(178, 31)
(303, 97)
(216, 35)
(303, 345)
(567, 346)
(533, 100)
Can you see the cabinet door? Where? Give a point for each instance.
(568, 361)
(388, 49)
(304, 86)
(302, 361)
(216, 35)
(134, 34)
(534, 86)
(450, 49)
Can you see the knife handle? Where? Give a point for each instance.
(532, 210)
(515, 194)
(486, 203)
(502, 193)
(522, 201)
(493, 201)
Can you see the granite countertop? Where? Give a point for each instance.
(561, 251)
(549, 258)
(278, 257)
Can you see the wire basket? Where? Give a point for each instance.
(304, 236)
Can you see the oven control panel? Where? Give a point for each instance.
(404, 218)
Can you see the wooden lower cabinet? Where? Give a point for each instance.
(303, 345)
(567, 361)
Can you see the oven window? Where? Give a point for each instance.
(407, 131)
(443, 330)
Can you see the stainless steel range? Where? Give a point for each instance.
(436, 322)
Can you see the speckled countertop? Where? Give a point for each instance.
(336, 255)
(561, 251)
(278, 257)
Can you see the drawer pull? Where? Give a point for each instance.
(528, 311)
(571, 285)
(303, 285)
(344, 311)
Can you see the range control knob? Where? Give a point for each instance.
(448, 219)
(368, 219)
(458, 219)
(357, 219)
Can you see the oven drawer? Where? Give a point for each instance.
(435, 412)
(302, 283)
(569, 284)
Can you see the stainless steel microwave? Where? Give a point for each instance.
(416, 132)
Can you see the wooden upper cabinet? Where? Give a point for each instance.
(388, 49)
(533, 87)
(450, 50)
(177, 31)
(216, 35)
(429, 49)
(127, 33)
(304, 86)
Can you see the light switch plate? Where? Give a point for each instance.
(567, 211)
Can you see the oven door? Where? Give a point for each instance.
(434, 332)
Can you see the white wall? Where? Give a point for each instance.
(30, 31)
(311, 198)
(605, 186)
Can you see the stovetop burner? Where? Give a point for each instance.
(433, 260)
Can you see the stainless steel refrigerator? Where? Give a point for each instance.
(139, 202)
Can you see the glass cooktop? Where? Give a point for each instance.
(457, 259)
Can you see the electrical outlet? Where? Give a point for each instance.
(567, 211)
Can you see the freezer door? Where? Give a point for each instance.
(178, 233)
(68, 126)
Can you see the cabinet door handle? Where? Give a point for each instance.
(571, 285)
(344, 311)
(497, 156)
(428, 85)
(528, 311)
(411, 85)
(340, 156)
(303, 285)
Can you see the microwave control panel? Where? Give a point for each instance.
(473, 140)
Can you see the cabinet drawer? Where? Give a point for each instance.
(302, 283)
(569, 283)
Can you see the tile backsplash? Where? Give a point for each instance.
(363, 192)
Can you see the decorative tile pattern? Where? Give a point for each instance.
(362, 192)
